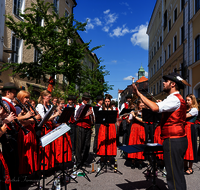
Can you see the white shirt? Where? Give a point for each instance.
(170, 104)
(40, 109)
(193, 112)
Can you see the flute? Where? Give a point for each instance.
(16, 120)
(129, 113)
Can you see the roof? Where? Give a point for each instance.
(142, 79)
(120, 91)
(141, 68)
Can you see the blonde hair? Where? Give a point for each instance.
(60, 100)
(21, 95)
(43, 93)
(194, 101)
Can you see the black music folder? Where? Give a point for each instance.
(66, 114)
(125, 111)
(96, 109)
(149, 116)
(83, 111)
(106, 116)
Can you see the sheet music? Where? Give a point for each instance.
(53, 135)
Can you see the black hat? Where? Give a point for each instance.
(100, 97)
(113, 102)
(129, 96)
(86, 95)
(175, 77)
(9, 86)
(71, 97)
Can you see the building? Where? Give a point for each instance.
(8, 41)
(174, 44)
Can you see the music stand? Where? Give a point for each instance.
(125, 111)
(106, 117)
(149, 148)
(64, 118)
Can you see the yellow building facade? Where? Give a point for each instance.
(172, 30)
(8, 40)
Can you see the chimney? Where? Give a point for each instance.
(132, 80)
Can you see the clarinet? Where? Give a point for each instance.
(36, 114)
(26, 109)
(16, 120)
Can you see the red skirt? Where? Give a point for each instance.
(111, 141)
(27, 151)
(189, 155)
(59, 148)
(49, 152)
(157, 139)
(137, 136)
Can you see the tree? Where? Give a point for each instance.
(56, 43)
(92, 80)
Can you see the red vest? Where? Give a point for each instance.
(126, 107)
(85, 122)
(173, 123)
(71, 119)
(12, 108)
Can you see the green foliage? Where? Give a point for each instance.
(56, 43)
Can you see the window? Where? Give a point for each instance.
(157, 45)
(182, 35)
(157, 65)
(151, 89)
(157, 88)
(165, 19)
(154, 69)
(169, 50)
(56, 6)
(169, 24)
(175, 43)
(151, 72)
(165, 54)
(175, 14)
(160, 61)
(154, 89)
(197, 48)
(160, 40)
(66, 13)
(197, 5)
(152, 54)
(18, 7)
(16, 46)
(160, 86)
(182, 4)
(154, 50)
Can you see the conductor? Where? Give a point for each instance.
(173, 110)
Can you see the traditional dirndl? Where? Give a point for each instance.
(137, 136)
(109, 143)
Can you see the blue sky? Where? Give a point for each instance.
(121, 27)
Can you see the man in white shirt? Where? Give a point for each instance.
(173, 110)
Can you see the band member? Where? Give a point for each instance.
(83, 133)
(71, 103)
(27, 144)
(63, 140)
(173, 110)
(54, 101)
(191, 116)
(137, 134)
(99, 104)
(5, 183)
(9, 140)
(107, 135)
(42, 108)
(33, 103)
(124, 122)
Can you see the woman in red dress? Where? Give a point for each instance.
(107, 135)
(137, 134)
(42, 108)
(191, 116)
(27, 144)
(59, 141)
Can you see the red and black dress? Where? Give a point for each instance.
(107, 140)
(137, 136)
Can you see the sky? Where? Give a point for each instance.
(120, 26)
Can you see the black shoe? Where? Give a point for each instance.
(140, 167)
(133, 166)
(87, 165)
